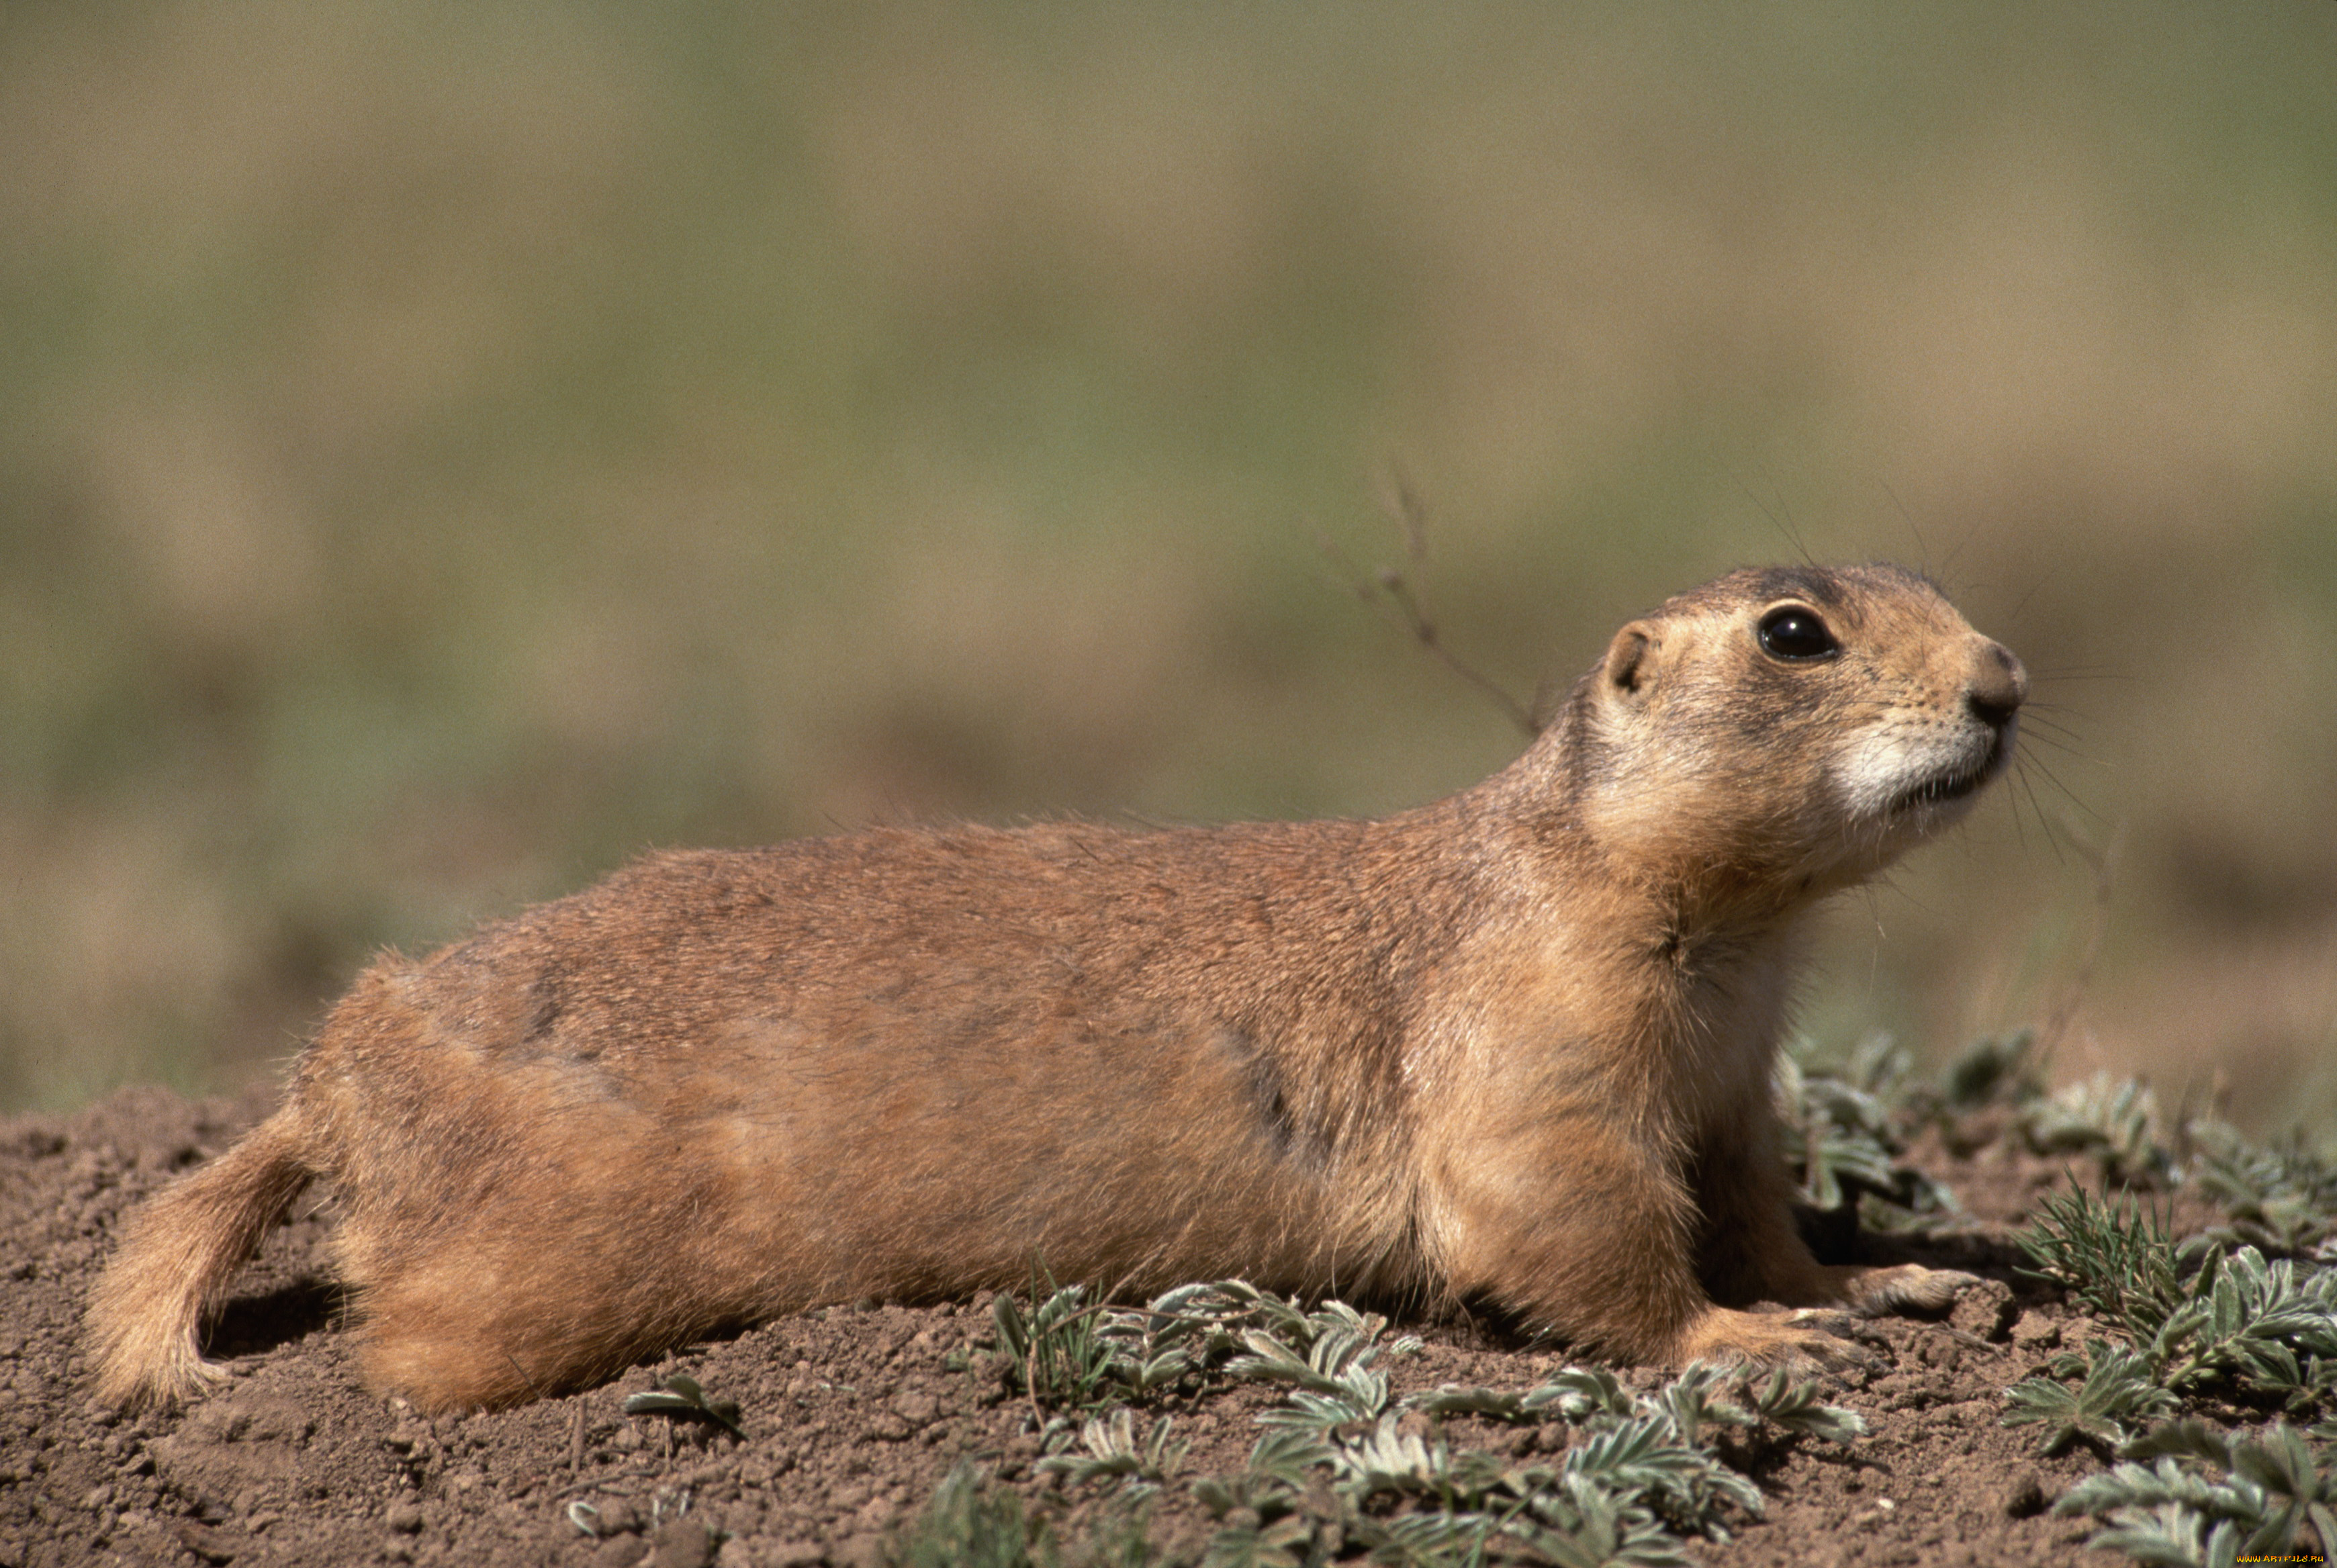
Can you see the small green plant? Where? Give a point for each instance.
(2209, 1312)
(682, 1398)
(1643, 1472)
(2119, 1395)
(1071, 1354)
(1329, 1367)
(2209, 1499)
(1114, 1457)
(1262, 1510)
(1343, 1466)
(1056, 1354)
(1068, 1354)
(1794, 1407)
(1996, 1069)
(1573, 1394)
(1614, 1498)
(2116, 1121)
(1120, 1536)
(2191, 1315)
(973, 1523)
(2115, 1257)
(2257, 1322)
(2281, 1196)
(1846, 1127)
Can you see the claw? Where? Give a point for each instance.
(1832, 1343)
(1909, 1286)
(1811, 1339)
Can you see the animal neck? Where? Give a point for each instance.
(1695, 859)
(1700, 930)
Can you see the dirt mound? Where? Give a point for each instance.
(852, 1417)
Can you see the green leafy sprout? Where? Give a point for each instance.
(681, 1397)
(974, 1522)
(1343, 1464)
(2191, 1315)
(1846, 1125)
(2213, 1311)
(2208, 1498)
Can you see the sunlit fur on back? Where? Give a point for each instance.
(1514, 1046)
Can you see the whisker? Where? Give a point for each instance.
(2057, 736)
(2063, 744)
(2055, 781)
(1909, 518)
(2080, 672)
(2022, 608)
(1783, 525)
(2018, 832)
(2044, 825)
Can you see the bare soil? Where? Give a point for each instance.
(851, 1415)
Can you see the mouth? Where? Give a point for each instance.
(1956, 783)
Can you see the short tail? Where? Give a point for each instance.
(175, 1260)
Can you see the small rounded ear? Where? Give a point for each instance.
(1631, 658)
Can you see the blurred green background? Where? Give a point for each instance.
(447, 450)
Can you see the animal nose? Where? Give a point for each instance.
(1998, 685)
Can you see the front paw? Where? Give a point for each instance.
(1905, 1287)
(1809, 1341)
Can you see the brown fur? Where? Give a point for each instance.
(1515, 1046)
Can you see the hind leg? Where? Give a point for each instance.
(590, 1250)
(488, 1321)
(431, 1341)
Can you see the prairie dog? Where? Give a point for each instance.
(1515, 1046)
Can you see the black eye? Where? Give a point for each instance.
(1790, 631)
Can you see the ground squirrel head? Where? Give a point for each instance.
(1797, 727)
